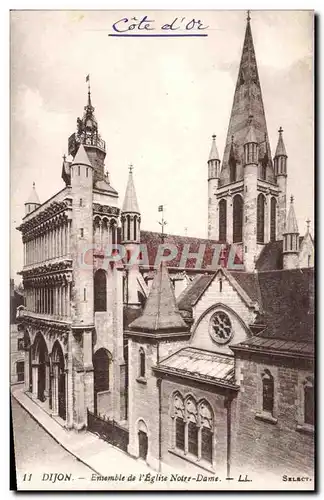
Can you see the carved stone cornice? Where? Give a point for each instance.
(50, 214)
(49, 327)
(47, 269)
(105, 209)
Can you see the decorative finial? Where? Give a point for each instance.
(33, 185)
(214, 137)
(232, 139)
(280, 130)
(131, 167)
(64, 157)
(250, 118)
(308, 224)
(291, 199)
(248, 16)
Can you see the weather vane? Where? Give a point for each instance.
(163, 222)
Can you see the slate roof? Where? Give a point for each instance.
(214, 155)
(270, 257)
(302, 349)
(161, 313)
(33, 197)
(151, 240)
(280, 150)
(81, 158)
(199, 363)
(191, 293)
(291, 222)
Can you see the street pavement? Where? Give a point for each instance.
(38, 455)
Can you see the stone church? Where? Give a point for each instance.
(203, 368)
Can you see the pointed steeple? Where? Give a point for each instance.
(161, 314)
(33, 201)
(281, 150)
(247, 101)
(81, 158)
(130, 204)
(214, 155)
(291, 224)
(33, 197)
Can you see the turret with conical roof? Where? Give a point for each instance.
(33, 201)
(291, 239)
(280, 165)
(213, 180)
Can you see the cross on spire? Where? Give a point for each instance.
(131, 168)
(291, 199)
(280, 130)
(308, 224)
(248, 16)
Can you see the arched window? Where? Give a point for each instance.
(232, 166)
(260, 218)
(191, 417)
(141, 363)
(309, 401)
(135, 227)
(222, 214)
(206, 423)
(101, 363)
(237, 219)
(128, 227)
(100, 291)
(113, 230)
(267, 392)
(273, 210)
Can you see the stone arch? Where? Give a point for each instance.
(41, 367)
(102, 375)
(100, 290)
(220, 306)
(238, 218)
(58, 396)
(143, 438)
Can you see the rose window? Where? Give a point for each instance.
(220, 327)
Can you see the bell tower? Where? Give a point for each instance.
(88, 134)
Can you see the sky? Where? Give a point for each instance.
(157, 101)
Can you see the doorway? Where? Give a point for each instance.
(142, 444)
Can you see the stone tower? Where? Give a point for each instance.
(280, 166)
(131, 222)
(213, 179)
(87, 134)
(291, 240)
(152, 336)
(250, 195)
(229, 220)
(81, 172)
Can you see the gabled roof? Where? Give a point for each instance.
(161, 313)
(81, 158)
(130, 201)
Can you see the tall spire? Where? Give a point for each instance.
(161, 313)
(130, 204)
(247, 101)
(33, 197)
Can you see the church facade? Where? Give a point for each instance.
(205, 368)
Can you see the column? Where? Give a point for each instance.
(68, 299)
(56, 301)
(68, 237)
(47, 379)
(35, 379)
(267, 218)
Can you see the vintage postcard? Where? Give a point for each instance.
(162, 250)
